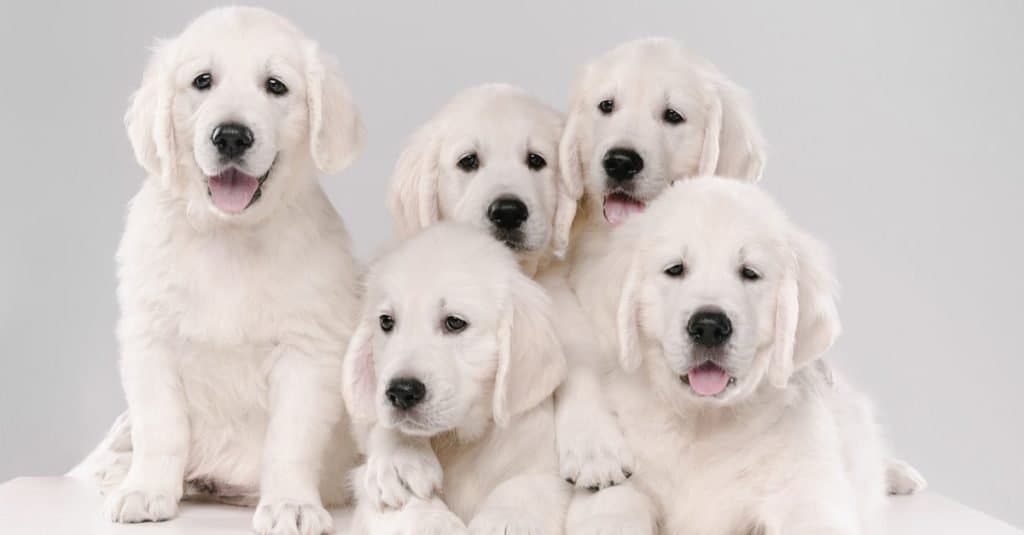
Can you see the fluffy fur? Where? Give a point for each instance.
(787, 446)
(233, 325)
(486, 417)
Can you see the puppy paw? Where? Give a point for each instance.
(596, 457)
(130, 505)
(289, 518)
(394, 478)
(504, 522)
(902, 479)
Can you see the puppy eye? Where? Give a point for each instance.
(387, 323)
(675, 270)
(673, 117)
(455, 324)
(747, 273)
(606, 106)
(469, 162)
(535, 161)
(203, 81)
(276, 87)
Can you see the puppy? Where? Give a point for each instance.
(719, 309)
(456, 348)
(237, 286)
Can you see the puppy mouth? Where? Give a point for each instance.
(708, 379)
(233, 191)
(513, 239)
(619, 205)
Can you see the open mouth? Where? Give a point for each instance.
(708, 379)
(619, 205)
(513, 239)
(232, 191)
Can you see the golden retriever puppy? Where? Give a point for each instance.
(456, 349)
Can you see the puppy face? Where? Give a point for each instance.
(488, 159)
(234, 114)
(722, 292)
(648, 113)
(452, 337)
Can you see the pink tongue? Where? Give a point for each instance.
(617, 209)
(708, 379)
(232, 190)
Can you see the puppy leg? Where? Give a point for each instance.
(399, 468)
(903, 479)
(592, 452)
(621, 510)
(108, 464)
(160, 436)
(523, 505)
(304, 406)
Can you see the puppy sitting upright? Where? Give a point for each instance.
(456, 347)
(236, 282)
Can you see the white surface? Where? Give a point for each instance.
(59, 506)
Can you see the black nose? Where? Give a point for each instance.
(405, 393)
(622, 164)
(507, 213)
(709, 328)
(232, 139)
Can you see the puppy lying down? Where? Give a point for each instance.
(719, 309)
(455, 359)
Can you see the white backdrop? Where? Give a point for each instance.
(894, 132)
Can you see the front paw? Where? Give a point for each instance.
(401, 475)
(902, 479)
(504, 522)
(595, 458)
(281, 518)
(130, 505)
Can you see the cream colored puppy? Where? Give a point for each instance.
(719, 309)
(237, 287)
(456, 350)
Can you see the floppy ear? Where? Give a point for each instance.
(531, 364)
(414, 185)
(806, 318)
(359, 375)
(148, 119)
(570, 181)
(733, 145)
(627, 319)
(336, 133)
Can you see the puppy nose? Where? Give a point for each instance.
(622, 164)
(232, 139)
(405, 393)
(709, 328)
(507, 213)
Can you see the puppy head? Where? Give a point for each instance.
(452, 337)
(721, 293)
(234, 114)
(648, 113)
(488, 159)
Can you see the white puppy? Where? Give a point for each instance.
(237, 287)
(456, 349)
(719, 309)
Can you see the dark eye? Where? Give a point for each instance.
(675, 270)
(386, 323)
(749, 274)
(536, 161)
(455, 324)
(276, 87)
(203, 81)
(673, 117)
(606, 106)
(469, 162)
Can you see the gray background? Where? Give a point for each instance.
(894, 132)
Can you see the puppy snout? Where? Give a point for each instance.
(622, 164)
(507, 213)
(232, 139)
(405, 393)
(709, 328)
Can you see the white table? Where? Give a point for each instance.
(64, 506)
